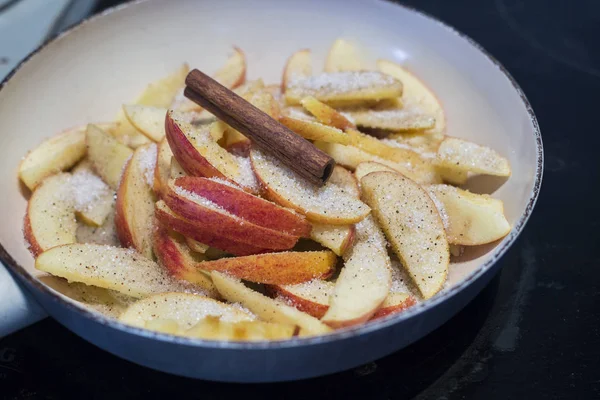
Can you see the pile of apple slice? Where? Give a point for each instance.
(198, 211)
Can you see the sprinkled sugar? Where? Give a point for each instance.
(441, 209)
(148, 163)
(328, 200)
(341, 82)
(198, 199)
(396, 119)
(246, 177)
(85, 189)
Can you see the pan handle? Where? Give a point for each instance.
(18, 308)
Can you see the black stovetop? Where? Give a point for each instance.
(532, 333)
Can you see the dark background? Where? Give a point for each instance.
(533, 333)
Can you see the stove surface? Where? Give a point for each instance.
(533, 333)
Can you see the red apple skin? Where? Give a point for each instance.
(247, 206)
(202, 234)
(34, 246)
(285, 268)
(185, 153)
(174, 256)
(396, 308)
(228, 226)
(308, 306)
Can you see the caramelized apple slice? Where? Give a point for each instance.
(185, 309)
(115, 268)
(415, 231)
(299, 65)
(365, 280)
(470, 219)
(50, 219)
(347, 86)
(265, 308)
(327, 204)
(107, 155)
(343, 56)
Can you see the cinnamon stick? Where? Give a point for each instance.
(267, 133)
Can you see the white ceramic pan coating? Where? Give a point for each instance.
(84, 75)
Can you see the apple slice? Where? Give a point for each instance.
(233, 73)
(350, 157)
(94, 200)
(135, 201)
(199, 155)
(213, 328)
(346, 86)
(196, 246)
(315, 130)
(343, 56)
(337, 238)
(185, 309)
(177, 171)
(209, 216)
(453, 176)
(413, 226)
(55, 154)
(115, 268)
(416, 95)
(162, 170)
(176, 257)
(313, 298)
(365, 168)
(246, 206)
(327, 204)
(325, 114)
(299, 65)
(461, 155)
(344, 179)
(202, 234)
(470, 219)
(394, 303)
(276, 268)
(264, 307)
(107, 155)
(50, 218)
(158, 94)
(150, 121)
(399, 119)
(365, 280)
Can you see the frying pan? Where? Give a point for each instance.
(85, 74)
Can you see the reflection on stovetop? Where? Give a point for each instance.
(50, 361)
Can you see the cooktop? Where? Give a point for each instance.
(533, 333)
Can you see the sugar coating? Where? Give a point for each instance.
(422, 152)
(85, 188)
(328, 200)
(120, 269)
(341, 82)
(196, 198)
(317, 290)
(246, 177)
(463, 155)
(147, 162)
(184, 308)
(441, 209)
(397, 119)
